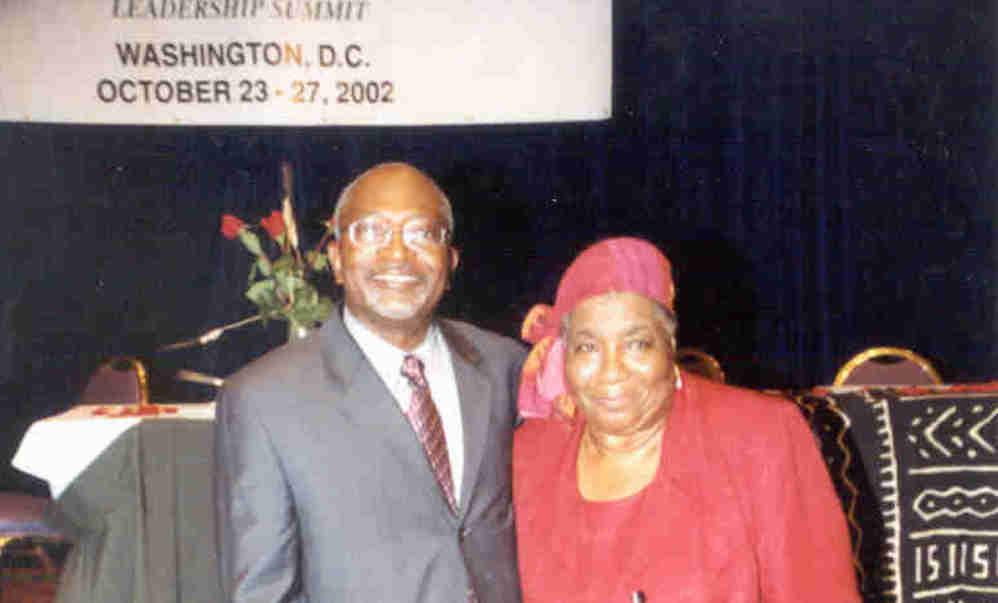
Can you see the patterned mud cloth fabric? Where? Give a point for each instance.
(917, 472)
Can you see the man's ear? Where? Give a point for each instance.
(335, 262)
(455, 258)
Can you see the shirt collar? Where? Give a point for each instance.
(376, 346)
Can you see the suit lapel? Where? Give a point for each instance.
(367, 405)
(474, 391)
(362, 398)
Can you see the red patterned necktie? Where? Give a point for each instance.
(425, 420)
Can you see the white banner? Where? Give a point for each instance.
(305, 62)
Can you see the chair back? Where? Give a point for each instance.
(699, 362)
(120, 380)
(887, 366)
(23, 516)
(913, 467)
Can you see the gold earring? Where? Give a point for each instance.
(565, 406)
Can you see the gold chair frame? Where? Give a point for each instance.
(712, 363)
(877, 352)
(140, 375)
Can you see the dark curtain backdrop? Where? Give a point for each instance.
(822, 175)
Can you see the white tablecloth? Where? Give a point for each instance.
(59, 448)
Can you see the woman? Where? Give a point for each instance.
(635, 481)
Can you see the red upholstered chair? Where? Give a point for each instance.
(24, 519)
(887, 366)
(701, 363)
(120, 380)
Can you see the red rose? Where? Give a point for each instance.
(273, 224)
(231, 226)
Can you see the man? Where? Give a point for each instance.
(326, 490)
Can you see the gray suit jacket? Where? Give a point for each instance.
(324, 493)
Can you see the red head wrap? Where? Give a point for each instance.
(623, 264)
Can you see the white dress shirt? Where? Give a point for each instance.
(433, 351)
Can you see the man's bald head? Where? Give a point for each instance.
(392, 175)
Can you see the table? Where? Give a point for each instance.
(136, 495)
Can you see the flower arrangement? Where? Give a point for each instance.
(278, 278)
(278, 283)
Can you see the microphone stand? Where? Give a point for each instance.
(204, 339)
(212, 335)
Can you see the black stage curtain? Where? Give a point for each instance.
(822, 175)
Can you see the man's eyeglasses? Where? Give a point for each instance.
(375, 232)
